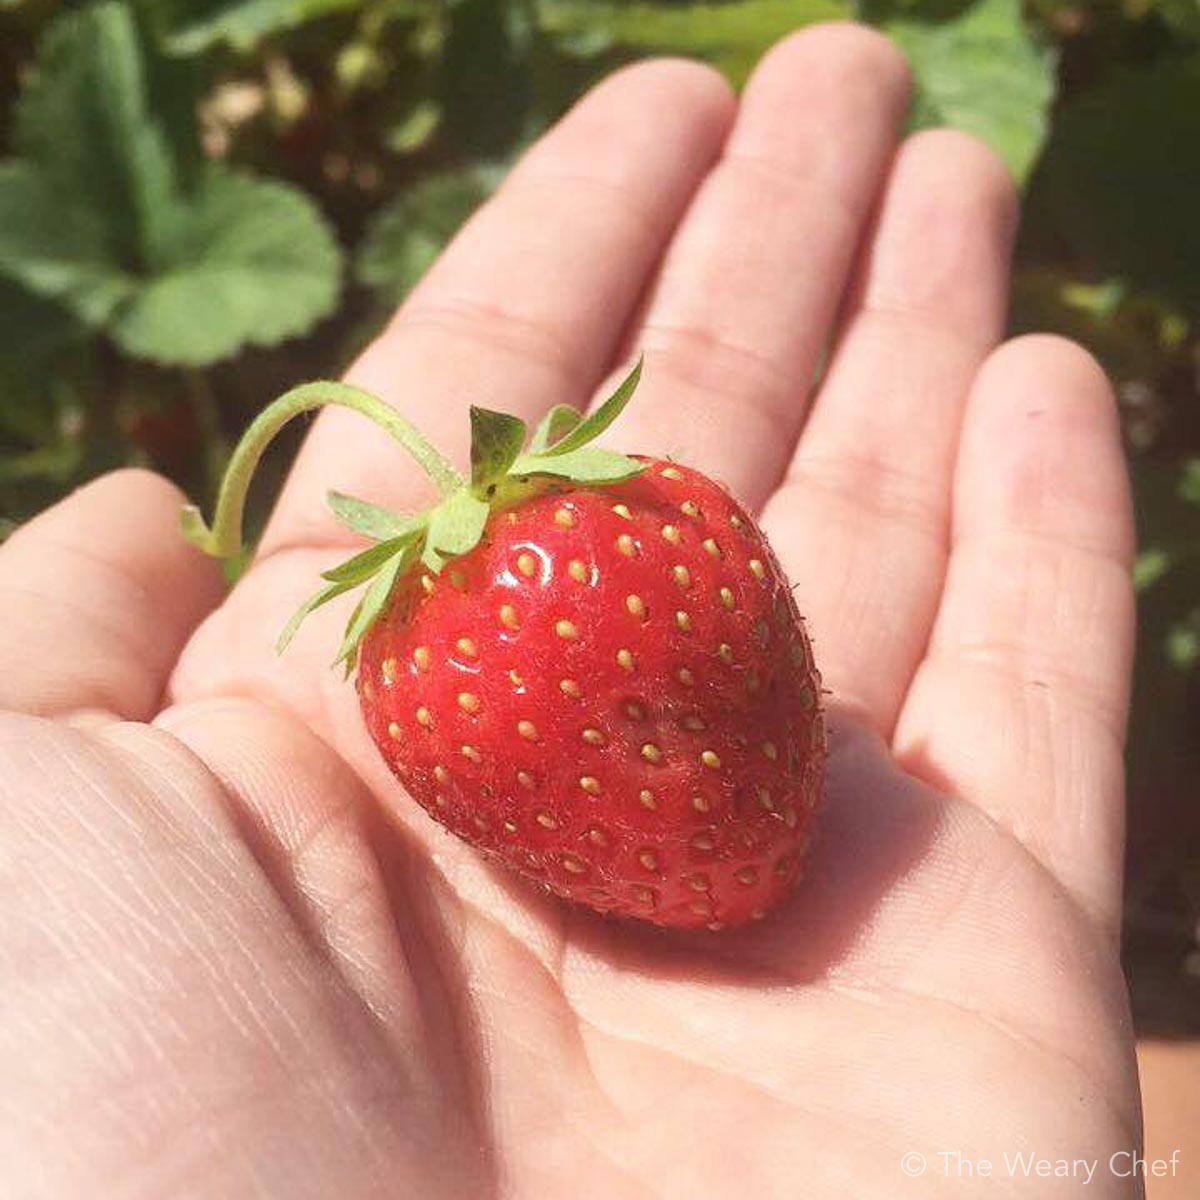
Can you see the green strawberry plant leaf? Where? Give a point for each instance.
(56, 249)
(455, 526)
(976, 67)
(251, 262)
(405, 236)
(305, 610)
(496, 440)
(384, 560)
(732, 37)
(588, 465)
(571, 455)
(365, 565)
(591, 427)
(557, 423)
(177, 267)
(372, 604)
(368, 519)
(82, 121)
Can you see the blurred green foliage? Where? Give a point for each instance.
(204, 201)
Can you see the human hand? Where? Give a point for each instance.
(237, 961)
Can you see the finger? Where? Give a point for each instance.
(97, 595)
(1020, 702)
(524, 308)
(744, 302)
(862, 520)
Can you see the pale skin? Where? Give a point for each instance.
(237, 961)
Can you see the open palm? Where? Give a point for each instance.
(238, 962)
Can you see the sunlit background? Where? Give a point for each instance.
(203, 201)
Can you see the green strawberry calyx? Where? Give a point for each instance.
(504, 471)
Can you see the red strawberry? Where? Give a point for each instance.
(598, 675)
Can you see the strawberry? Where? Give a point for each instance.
(587, 665)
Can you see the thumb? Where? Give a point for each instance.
(97, 596)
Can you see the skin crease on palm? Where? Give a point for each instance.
(236, 960)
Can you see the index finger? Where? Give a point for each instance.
(525, 307)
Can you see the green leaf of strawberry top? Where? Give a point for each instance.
(590, 666)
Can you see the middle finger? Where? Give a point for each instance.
(751, 284)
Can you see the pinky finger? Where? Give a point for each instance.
(1020, 703)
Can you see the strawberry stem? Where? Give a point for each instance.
(501, 475)
(224, 538)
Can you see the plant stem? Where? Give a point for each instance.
(224, 538)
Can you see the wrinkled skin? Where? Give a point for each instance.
(237, 962)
